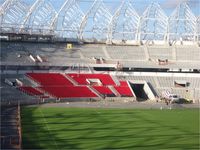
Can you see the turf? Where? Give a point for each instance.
(89, 128)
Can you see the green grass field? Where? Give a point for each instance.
(90, 128)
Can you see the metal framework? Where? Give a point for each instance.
(98, 24)
(66, 23)
(95, 23)
(39, 18)
(182, 24)
(124, 23)
(12, 14)
(154, 23)
(198, 29)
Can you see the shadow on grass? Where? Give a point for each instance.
(102, 129)
(38, 135)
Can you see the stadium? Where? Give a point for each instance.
(99, 74)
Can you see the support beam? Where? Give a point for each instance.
(182, 24)
(55, 19)
(124, 23)
(153, 23)
(5, 6)
(97, 28)
(28, 15)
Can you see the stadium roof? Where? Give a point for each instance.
(103, 20)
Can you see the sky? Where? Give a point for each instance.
(139, 5)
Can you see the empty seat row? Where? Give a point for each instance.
(60, 86)
(69, 92)
(124, 89)
(82, 79)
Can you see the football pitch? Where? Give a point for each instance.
(90, 128)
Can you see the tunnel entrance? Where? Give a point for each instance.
(139, 91)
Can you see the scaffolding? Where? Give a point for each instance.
(95, 23)
(66, 23)
(182, 24)
(124, 23)
(198, 29)
(98, 23)
(38, 18)
(153, 24)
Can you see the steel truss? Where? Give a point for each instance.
(153, 25)
(39, 18)
(66, 23)
(95, 23)
(98, 24)
(124, 23)
(182, 24)
(12, 14)
(198, 29)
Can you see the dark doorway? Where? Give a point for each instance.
(139, 91)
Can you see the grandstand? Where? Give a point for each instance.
(151, 47)
(51, 54)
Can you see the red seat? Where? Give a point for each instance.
(49, 79)
(123, 89)
(103, 90)
(31, 91)
(69, 92)
(81, 79)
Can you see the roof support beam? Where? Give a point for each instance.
(28, 15)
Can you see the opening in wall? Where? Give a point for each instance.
(180, 83)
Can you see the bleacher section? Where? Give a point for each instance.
(188, 53)
(58, 85)
(90, 51)
(104, 90)
(81, 79)
(160, 52)
(123, 89)
(11, 94)
(50, 79)
(69, 92)
(163, 83)
(31, 91)
(15, 59)
(126, 53)
(130, 56)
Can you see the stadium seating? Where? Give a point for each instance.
(56, 85)
(188, 53)
(126, 52)
(97, 85)
(123, 89)
(133, 56)
(69, 92)
(92, 51)
(49, 79)
(82, 78)
(104, 90)
(160, 52)
(31, 91)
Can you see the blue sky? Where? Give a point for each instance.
(139, 5)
